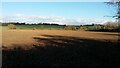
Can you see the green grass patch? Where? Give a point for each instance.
(33, 27)
(3, 27)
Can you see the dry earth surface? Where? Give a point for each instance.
(60, 48)
(13, 38)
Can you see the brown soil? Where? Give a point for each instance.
(25, 37)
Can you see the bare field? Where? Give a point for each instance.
(60, 48)
(25, 37)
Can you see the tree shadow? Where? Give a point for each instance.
(105, 30)
(62, 51)
(113, 34)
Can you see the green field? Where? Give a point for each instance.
(35, 27)
(41, 27)
(3, 27)
(90, 27)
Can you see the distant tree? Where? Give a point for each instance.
(98, 27)
(0, 23)
(116, 4)
(82, 28)
(69, 27)
(11, 26)
(111, 25)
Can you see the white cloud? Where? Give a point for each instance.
(50, 19)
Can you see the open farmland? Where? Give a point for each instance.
(14, 37)
(64, 34)
(59, 48)
(33, 27)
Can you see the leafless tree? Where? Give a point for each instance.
(116, 3)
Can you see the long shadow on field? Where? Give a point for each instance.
(61, 51)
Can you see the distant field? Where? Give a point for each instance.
(50, 27)
(3, 27)
(35, 27)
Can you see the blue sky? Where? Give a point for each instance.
(55, 0)
(67, 10)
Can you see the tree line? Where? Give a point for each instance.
(17, 23)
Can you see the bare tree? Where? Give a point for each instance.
(116, 3)
(111, 25)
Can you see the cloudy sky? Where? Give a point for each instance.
(70, 13)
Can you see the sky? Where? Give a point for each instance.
(57, 12)
(55, 0)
